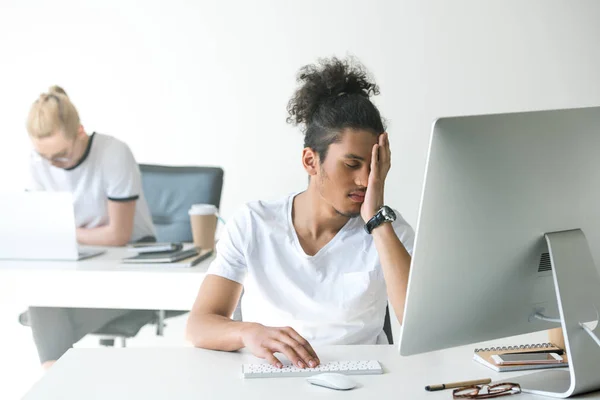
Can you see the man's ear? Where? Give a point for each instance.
(80, 131)
(310, 161)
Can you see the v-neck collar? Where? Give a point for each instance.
(294, 234)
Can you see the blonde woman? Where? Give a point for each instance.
(99, 170)
(110, 210)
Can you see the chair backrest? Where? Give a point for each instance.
(387, 325)
(170, 191)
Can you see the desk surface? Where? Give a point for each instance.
(100, 282)
(189, 373)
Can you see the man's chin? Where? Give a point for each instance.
(348, 214)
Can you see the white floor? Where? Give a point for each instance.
(19, 365)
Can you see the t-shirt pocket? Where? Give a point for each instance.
(359, 289)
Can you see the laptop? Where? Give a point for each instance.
(39, 226)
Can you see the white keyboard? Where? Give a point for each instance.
(371, 367)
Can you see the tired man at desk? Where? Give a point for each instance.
(317, 267)
(110, 210)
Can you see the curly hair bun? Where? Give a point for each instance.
(326, 82)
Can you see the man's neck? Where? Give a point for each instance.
(313, 217)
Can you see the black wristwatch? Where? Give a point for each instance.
(385, 214)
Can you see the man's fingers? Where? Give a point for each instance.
(384, 145)
(374, 156)
(286, 350)
(301, 350)
(388, 148)
(374, 174)
(271, 359)
(385, 155)
(296, 336)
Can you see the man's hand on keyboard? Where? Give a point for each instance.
(264, 341)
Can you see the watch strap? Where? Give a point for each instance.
(374, 222)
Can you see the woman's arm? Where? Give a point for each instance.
(118, 230)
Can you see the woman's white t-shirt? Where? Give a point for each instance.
(107, 171)
(337, 296)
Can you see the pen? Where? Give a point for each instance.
(432, 388)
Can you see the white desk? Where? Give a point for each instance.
(100, 282)
(188, 373)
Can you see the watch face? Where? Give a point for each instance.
(388, 213)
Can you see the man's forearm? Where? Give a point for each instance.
(395, 262)
(215, 332)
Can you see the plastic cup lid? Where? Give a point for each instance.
(203, 209)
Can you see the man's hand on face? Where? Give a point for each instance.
(380, 165)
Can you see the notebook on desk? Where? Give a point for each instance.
(194, 260)
(484, 356)
(154, 247)
(180, 258)
(163, 257)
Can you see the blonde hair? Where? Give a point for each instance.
(52, 112)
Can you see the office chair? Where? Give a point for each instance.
(169, 192)
(387, 325)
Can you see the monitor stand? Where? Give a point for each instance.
(577, 287)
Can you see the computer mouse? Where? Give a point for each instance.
(332, 381)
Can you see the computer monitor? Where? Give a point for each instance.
(508, 232)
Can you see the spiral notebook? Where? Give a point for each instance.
(484, 356)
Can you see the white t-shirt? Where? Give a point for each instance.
(107, 171)
(337, 296)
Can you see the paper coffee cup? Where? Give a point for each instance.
(203, 218)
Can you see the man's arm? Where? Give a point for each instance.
(395, 260)
(210, 326)
(118, 230)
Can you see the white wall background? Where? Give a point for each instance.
(207, 82)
